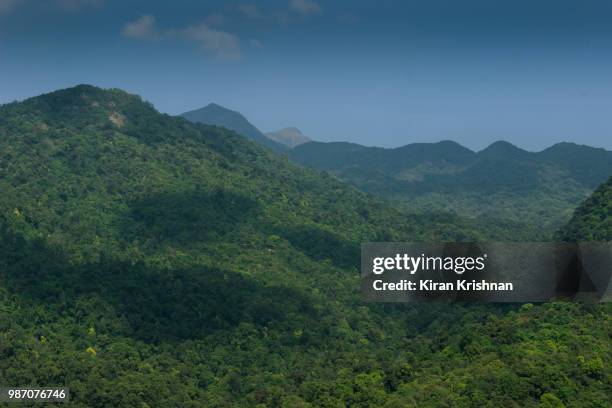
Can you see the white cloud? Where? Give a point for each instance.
(6, 6)
(304, 7)
(219, 43)
(143, 28)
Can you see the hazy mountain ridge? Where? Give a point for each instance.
(501, 181)
(290, 136)
(337, 155)
(217, 115)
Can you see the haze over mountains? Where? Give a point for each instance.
(278, 141)
(501, 181)
(290, 136)
(213, 114)
(417, 161)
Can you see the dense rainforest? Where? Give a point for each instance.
(146, 261)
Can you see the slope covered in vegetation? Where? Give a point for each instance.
(148, 261)
(592, 221)
(502, 181)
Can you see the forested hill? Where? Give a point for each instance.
(213, 114)
(147, 262)
(592, 221)
(502, 181)
(93, 170)
(144, 258)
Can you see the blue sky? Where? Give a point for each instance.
(383, 73)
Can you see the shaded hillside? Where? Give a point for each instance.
(142, 243)
(148, 261)
(592, 221)
(501, 181)
(213, 114)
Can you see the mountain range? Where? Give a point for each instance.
(501, 181)
(149, 261)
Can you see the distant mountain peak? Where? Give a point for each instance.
(571, 147)
(502, 144)
(216, 106)
(217, 115)
(443, 146)
(501, 147)
(209, 111)
(289, 136)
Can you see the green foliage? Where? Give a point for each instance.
(534, 193)
(147, 261)
(592, 221)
